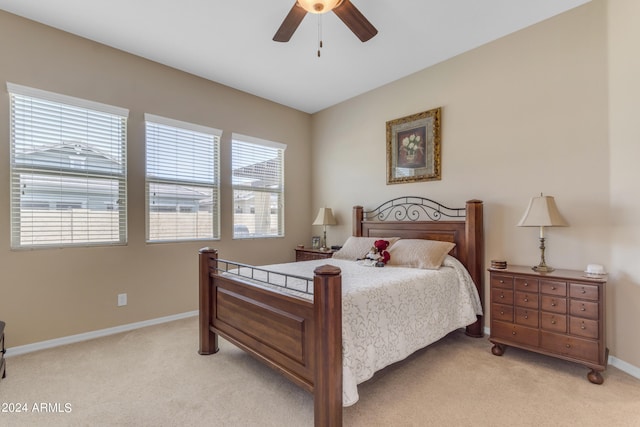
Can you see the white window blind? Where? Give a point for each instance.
(68, 170)
(182, 180)
(258, 187)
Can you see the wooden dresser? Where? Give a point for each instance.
(560, 314)
(303, 254)
(2, 351)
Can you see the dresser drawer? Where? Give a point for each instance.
(526, 284)
(570, 346)
(515, 333)
(501, 296)
(552, 287)
(502, 312)
(302, 255)
(554, 304)
(584, 309)
(553, 322)
(583, 327)
(501, 281)
(527, 317)
(583, 291)
(526, 299)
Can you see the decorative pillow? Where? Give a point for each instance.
(418, 253)
(357, 247)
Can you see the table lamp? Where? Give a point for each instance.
(542, 212)
(324, 218)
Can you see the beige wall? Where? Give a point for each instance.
(53, 293)
(624, 197)
(528, 113)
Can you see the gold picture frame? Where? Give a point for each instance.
(413, 148)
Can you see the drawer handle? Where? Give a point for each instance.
(526, 299)
(501, 295)
(568, 345)
(582, 326)
(526, 316)
(583, 309)
(501, 281)
(553, 304)
(513, 332)
(502, 313)
(553, 288)
(526, 284)
(553, 322)
(584, 291)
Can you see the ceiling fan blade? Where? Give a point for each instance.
(290, 23)
(355, 20)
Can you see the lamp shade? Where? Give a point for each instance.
(542, 212)
(325, 217)
(318, 6)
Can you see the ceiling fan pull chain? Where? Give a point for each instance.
(319, 34)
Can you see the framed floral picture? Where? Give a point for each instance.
(413, 148)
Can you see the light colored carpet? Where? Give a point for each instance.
(155, 377)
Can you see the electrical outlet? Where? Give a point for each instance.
(122, 300)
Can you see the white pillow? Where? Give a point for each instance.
(357, 247)
(419, 253)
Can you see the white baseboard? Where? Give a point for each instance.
(634, 371)
(42, 345)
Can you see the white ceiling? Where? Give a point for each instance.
(230, 41)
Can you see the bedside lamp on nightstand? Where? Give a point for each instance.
(542, 212)
(324, 218)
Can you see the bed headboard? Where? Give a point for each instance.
(421, 218)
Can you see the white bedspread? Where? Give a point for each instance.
(390, 312)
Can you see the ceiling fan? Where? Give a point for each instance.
(345, 10)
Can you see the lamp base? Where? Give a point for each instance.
(542, 268)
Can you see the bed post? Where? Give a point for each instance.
(356, 222)
(475, 256)
(327, 388)
(208, 260)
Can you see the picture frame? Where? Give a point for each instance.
(413, 148)
(315, 242)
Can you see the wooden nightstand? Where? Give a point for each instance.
(303, 254)
(560, 314)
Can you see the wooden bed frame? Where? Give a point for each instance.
(302, 339)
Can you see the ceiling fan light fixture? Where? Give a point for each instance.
(318, 6)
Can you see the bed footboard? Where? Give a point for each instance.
(299, 338)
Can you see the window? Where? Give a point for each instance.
(68, 170)
(182, 180)
(258, 187)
